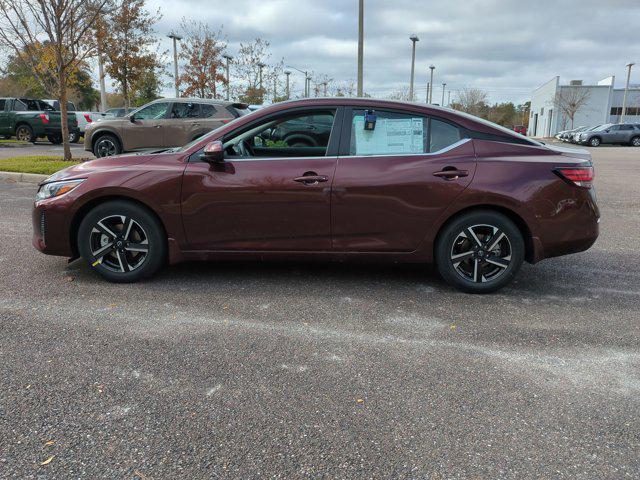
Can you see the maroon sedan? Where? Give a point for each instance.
(366, 179)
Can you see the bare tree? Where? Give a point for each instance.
(401, 93)
(570, 100)
(65, 26)
(246, 68)
(472, 101)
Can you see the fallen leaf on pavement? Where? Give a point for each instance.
(47, 461)
(50, 442)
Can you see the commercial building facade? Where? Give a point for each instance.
(602, 104)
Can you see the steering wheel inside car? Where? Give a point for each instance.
(243, 149)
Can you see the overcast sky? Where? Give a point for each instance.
(502, 46)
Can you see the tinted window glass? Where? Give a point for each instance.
(207, 110)
(2, 104)
(393, 133)
(442, 135)
(19, 106)
(626, 127)
(185, 110)
(154, 111)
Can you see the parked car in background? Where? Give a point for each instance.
(29, 119)
(521, 129)
(575, 136)
(166, 122)
(565, 135)
(393, 181)
(84, 118)
(117, 112)
(620, 133)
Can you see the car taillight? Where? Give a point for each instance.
(88, 118)
(225, 120)
(44, 117)
(580, 176)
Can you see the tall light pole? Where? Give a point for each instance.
(306, 77)
(626, 90)
(308, 87)
(448, 98)
(414, 38)
(432, 68)
(288, 74)
(360, 47)
(260, 66)
(103, 90)
(324, 91)
(428, 88)
(175, 39)
(444, 85)
(228, 58)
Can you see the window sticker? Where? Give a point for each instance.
(391, 136)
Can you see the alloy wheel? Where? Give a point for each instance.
(23, 134)
(119, 244)
(481, 253)
(106, 148)
(636, 142)
(595, 142)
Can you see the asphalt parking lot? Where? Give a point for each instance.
(314, 370)
(42, 147)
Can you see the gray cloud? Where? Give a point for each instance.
(505, 47)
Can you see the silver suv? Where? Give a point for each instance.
(622, 133)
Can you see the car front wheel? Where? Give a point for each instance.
(479, 252)
(635, 142)
(122, 241)
(594, 142)
(106, 146)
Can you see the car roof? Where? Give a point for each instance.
(211, 101)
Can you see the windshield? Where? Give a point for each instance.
(599, 128)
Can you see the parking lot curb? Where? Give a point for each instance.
(23, 177)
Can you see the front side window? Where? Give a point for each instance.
(392, 134)
(185, 110)
(153, 112)
(302, 135)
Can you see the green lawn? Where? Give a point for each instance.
(45, 164)
(13, 141)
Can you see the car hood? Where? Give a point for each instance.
(82, 170)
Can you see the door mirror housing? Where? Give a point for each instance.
(213, 152)
(132, 119)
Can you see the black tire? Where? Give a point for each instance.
(25, 133)
(635, 142)
(55, 139)
(5, 137)
(106, 145)
(74, 137)
(457, 252)
(594, 142)
(122, 250)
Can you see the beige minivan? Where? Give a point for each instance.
(163, 123)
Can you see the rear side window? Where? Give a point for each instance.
(3, 102)
(185, 110)
(443, 135)
(393, 134)
(208, 110)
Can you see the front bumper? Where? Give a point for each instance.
(51, 222)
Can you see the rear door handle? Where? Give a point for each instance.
(451, 174)
(311, 179)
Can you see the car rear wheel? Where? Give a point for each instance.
(55, 139)
(635, 142)
(594, 142)
(122, 241)
(74, 137)
(24, 133)
(479, 252)
(106, 146)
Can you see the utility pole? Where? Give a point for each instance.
(288, 74)
(414, 38)
(228, 58)
(444, 85)
(308, 86)
(432, 68)
(626, 91)
(306, 78)
(175, 39)
(428, 87)
(103, 90)
(360, 47)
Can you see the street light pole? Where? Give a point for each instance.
(360, 47)
(228, 58)
(432, 68)
(175, 39)
(414, 38)
(288, 74)
(626, 90)
(444, 85)
(103, 90)
(428, 87)
(260, 66)
(306, 78)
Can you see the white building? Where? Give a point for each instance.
(603, 105)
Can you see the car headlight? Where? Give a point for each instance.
(583, 136)
(56, 189)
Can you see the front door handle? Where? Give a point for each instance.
(158, 126)
(452, 174)
(311, 179)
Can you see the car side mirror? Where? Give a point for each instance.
(132, 119)
(213, 152)
(607, 131)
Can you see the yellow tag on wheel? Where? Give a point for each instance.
(96, 262)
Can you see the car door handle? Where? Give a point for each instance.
(195, 124)
(311, 179)
(451, 174)
(158, 126)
